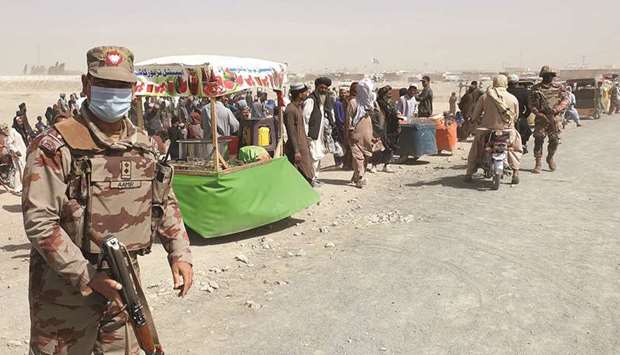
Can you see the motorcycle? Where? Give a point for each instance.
(495, 158)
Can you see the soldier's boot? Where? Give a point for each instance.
(538, 167)
(553, 147)
(515, 177)
(551, 162)
(539, 141)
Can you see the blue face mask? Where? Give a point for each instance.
(108, 104)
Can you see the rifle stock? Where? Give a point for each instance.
(145, 340)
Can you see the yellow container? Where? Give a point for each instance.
(264, 136)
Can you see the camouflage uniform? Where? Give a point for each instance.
(542, 98)
(78, 180)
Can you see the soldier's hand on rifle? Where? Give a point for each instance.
(108, 288)
(183, 276)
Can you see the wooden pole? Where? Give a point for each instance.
(140, 113)
(280, 146)
(214, 140)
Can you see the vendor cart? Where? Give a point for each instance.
(588, 97)
(219, 196)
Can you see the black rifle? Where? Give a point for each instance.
(116, 256)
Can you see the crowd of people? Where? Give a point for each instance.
(16, 138)
(166, 121)
(360, 126)
(357, 123)
(97, 176)
(169, 120)
(14, 141)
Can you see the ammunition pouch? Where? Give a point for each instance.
(161, 190)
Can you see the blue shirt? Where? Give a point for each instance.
(340, 112)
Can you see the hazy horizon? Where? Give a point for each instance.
(319, 35)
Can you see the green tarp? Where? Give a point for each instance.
(215, 206)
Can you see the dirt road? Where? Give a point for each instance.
(418, 263)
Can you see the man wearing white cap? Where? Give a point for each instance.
(297, 146)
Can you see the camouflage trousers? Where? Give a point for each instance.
(63, 322)
(542, 131)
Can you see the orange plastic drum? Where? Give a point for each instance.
(446, 136)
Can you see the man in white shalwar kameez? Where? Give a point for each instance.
(318, 112)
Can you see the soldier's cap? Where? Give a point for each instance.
(546, 70)
(111, 63)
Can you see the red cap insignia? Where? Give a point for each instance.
(113, 58)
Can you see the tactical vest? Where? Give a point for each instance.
(117, 192)
(552, 94)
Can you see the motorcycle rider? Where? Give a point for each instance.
(548, 101)
(497, 109)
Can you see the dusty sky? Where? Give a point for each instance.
(321, 34)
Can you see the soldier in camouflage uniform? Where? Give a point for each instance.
(95, 174)
(548, 101)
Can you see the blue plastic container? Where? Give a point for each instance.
(417, 139)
